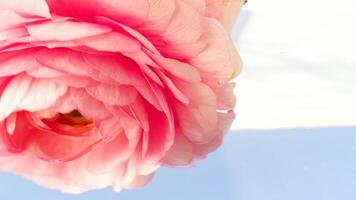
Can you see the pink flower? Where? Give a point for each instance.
(97, 93)
(224, 10)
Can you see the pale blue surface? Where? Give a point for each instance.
(297, 164)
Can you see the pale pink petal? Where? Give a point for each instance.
(134, 33)
(64, 104)
(199, 5)
(13, 94)
(138, 112)
(31, 7)
(48, 145)
(63, 60)
(225, 11)
(175, 91)
(223, 125)
(225, 96)
(131, 127)
(12, 35)
(140, 181)
(181, 153)
(110, 154)
(109, 128)
(199, 117)
(41, 94)
(112, 42)
(181, 70)
(65, 30)
(159, 16)
(89, 106)
(216, 62)
(151, 74)
(75, 81)
(12, 63)
(113, 94)
(43, 72)
(184, 26)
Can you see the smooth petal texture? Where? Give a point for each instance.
(12, 21)
(103, 92)
(16, 132)
(13, 63)
(113, 95)
(41, 94)
(181, 70)
(112, 42)
(43, 72)
(31, 7)
(225, 11)
(13, 94)
(88, 105)
(49, 145)
(181, 153)
(110, 154)
(65, 30)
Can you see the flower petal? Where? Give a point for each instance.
(113, 94)
(89, 106)
(30, 7)
(65, 30)
(41, 94)
(108, 155)
(13, 94)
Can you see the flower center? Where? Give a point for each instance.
(74, 118)
(72, 123)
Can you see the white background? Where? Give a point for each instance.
(299, 64)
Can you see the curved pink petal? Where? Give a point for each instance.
(12, 63)
(131, 12)
(65, 30)
(30, 7)
(159, 16)
(89, 106)
(16, 132)
(137, 110)
(180, 70)
(48, 145)
(112, 42)
(13, 94)
(113, 94)
(110, 154)
(41, 94)
(184, 27)
(181, 152)
(200, 116)
(43, 72)
(223, 124)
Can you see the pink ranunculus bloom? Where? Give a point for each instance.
(97, 93)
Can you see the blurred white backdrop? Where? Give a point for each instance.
(299, 64)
